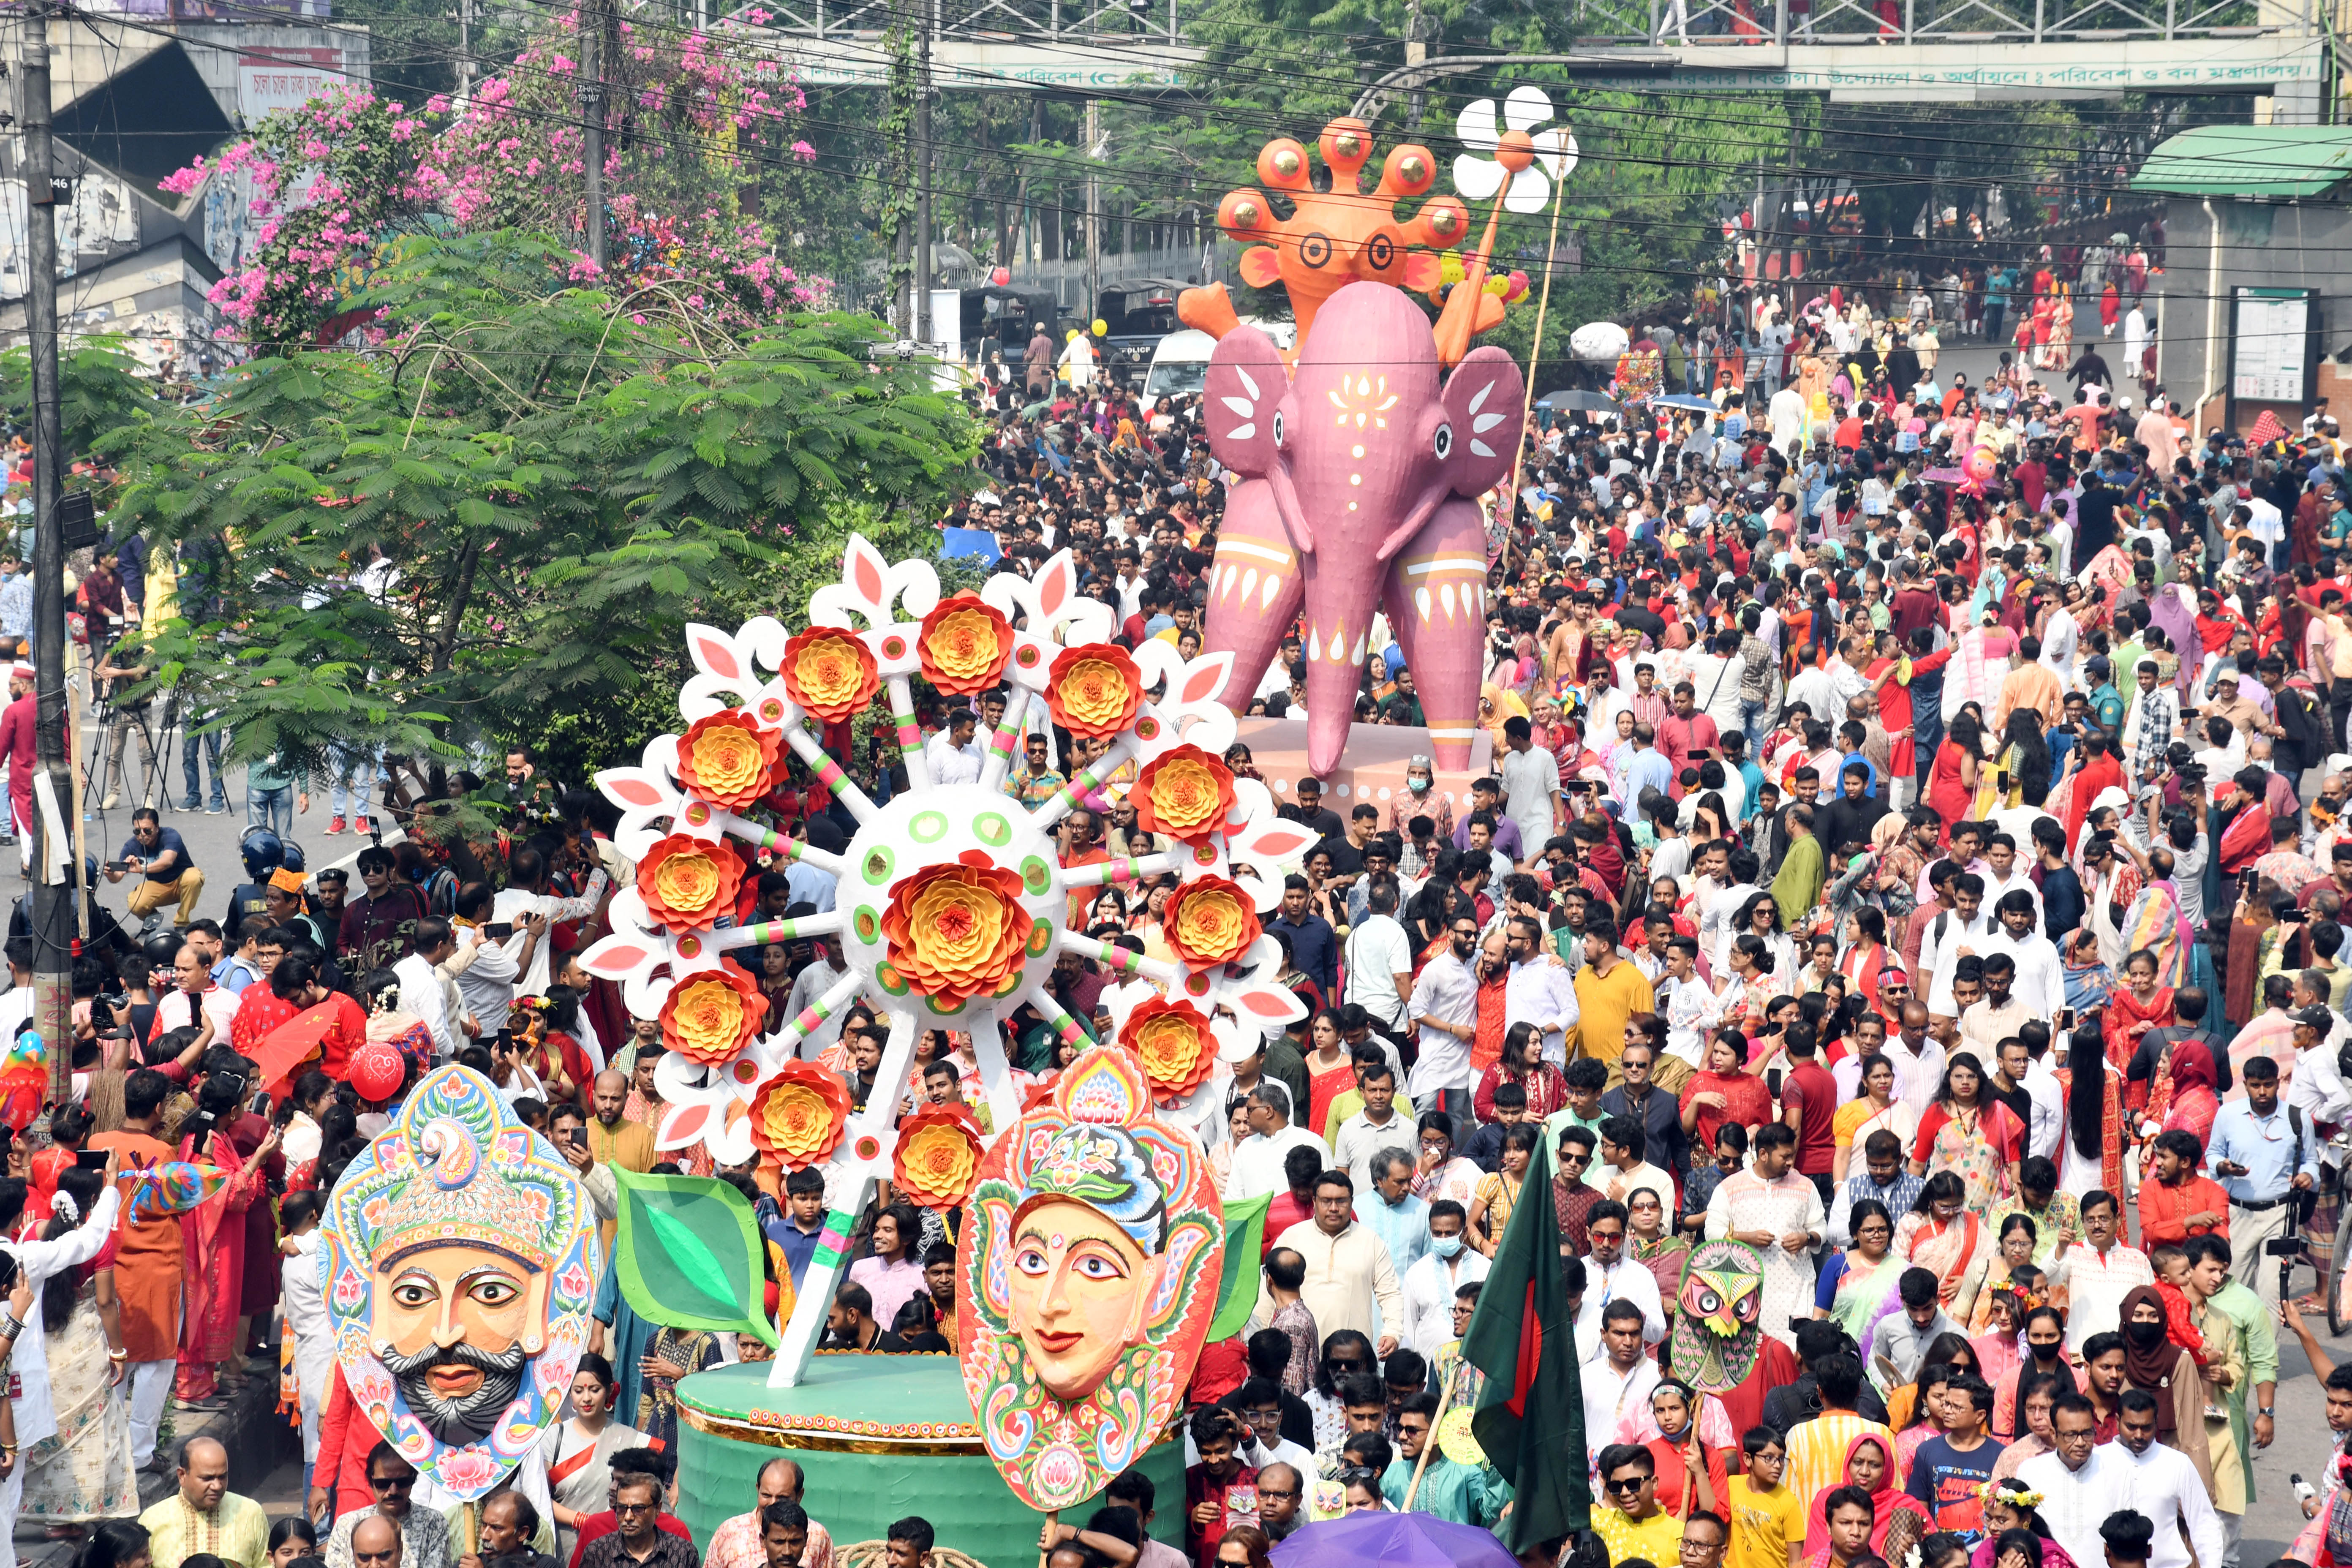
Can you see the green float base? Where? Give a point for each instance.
(880, 1437)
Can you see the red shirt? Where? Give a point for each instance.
(1236, 1501)
(1816, 1093)
(17, 742)
(2164, 1210)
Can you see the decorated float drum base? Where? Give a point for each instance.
(879, 1437)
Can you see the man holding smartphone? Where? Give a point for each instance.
(2266, 1157)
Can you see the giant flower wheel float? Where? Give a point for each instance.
(951, 903)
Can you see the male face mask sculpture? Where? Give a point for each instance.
(460, 1255)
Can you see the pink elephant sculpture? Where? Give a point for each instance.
(1361, 467)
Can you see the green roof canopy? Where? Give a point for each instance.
(2250, 160)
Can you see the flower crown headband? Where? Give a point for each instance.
(2009, 1489)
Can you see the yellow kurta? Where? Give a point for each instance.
(236, 1531)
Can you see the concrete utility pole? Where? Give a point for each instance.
(53, 891)
(591, 122)
(925, 327)
(1093, 214)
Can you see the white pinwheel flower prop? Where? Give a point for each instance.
(1512, 135)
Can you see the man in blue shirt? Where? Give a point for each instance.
(2264, 1156)
(157, 853)
(1314, 947)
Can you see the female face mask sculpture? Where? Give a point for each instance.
(1085, 1281)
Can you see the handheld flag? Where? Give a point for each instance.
(1237, 1289)
(1523, 1337)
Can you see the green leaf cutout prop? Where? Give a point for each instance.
(1237, 1291)
(697, 1236)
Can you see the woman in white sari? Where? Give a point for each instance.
(310, 1333)
(579, 1451)
(82, 1473)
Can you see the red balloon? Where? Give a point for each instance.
(378, 1070)
(1002, 277)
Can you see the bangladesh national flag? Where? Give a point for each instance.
(1531, 1420)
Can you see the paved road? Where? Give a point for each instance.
(212, 840)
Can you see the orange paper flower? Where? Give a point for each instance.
(1183, 792)
(938, 1156)
(713, 1014)
(963, 645)
(957, 930)
(687, 884)
(727, 758)
(1172, 1041)
(830, 673)
(1210, 921)
(1095, 690)
(797, 1114)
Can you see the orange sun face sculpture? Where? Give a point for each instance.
(1345, 235)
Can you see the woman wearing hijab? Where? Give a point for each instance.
(2153, 1364)
(1898, 1522)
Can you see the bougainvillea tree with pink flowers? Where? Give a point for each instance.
(689, 127)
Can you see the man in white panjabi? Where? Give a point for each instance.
(1780, 1213)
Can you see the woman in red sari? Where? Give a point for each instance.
(2091, 1152)
(1521, 1062)
(2190, 1087)
(2139, 1006)
(1723, 1090)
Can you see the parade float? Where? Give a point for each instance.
(1363, 453)
(952, 906)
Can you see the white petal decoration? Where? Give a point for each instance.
(1525, 108)
(1445, 597)
(1475, 179)
(1475, 125)
(1556, 151)
(1529, 192)
(1241, 432)
(1488, 421)
(1421, 602)
(1241, 405)
(1314, 645)
(1250, 381)
(1478, 399)
(1249, 581)
(1273, 586)
(1481, 448)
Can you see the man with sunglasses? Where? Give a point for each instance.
(424, 1537)
(1630, 1523)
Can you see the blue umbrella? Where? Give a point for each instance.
(1393, 1540)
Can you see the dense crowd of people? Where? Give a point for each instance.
(1913, 843)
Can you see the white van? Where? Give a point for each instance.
(1180, 364)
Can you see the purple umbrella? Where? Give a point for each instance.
(1393, 1540)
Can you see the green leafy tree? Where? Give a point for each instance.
(495, 526)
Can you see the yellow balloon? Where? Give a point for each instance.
(1071, 336)
(1102, 328)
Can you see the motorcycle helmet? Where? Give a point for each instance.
(163, 951)
(263, 852)
(291, 858)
